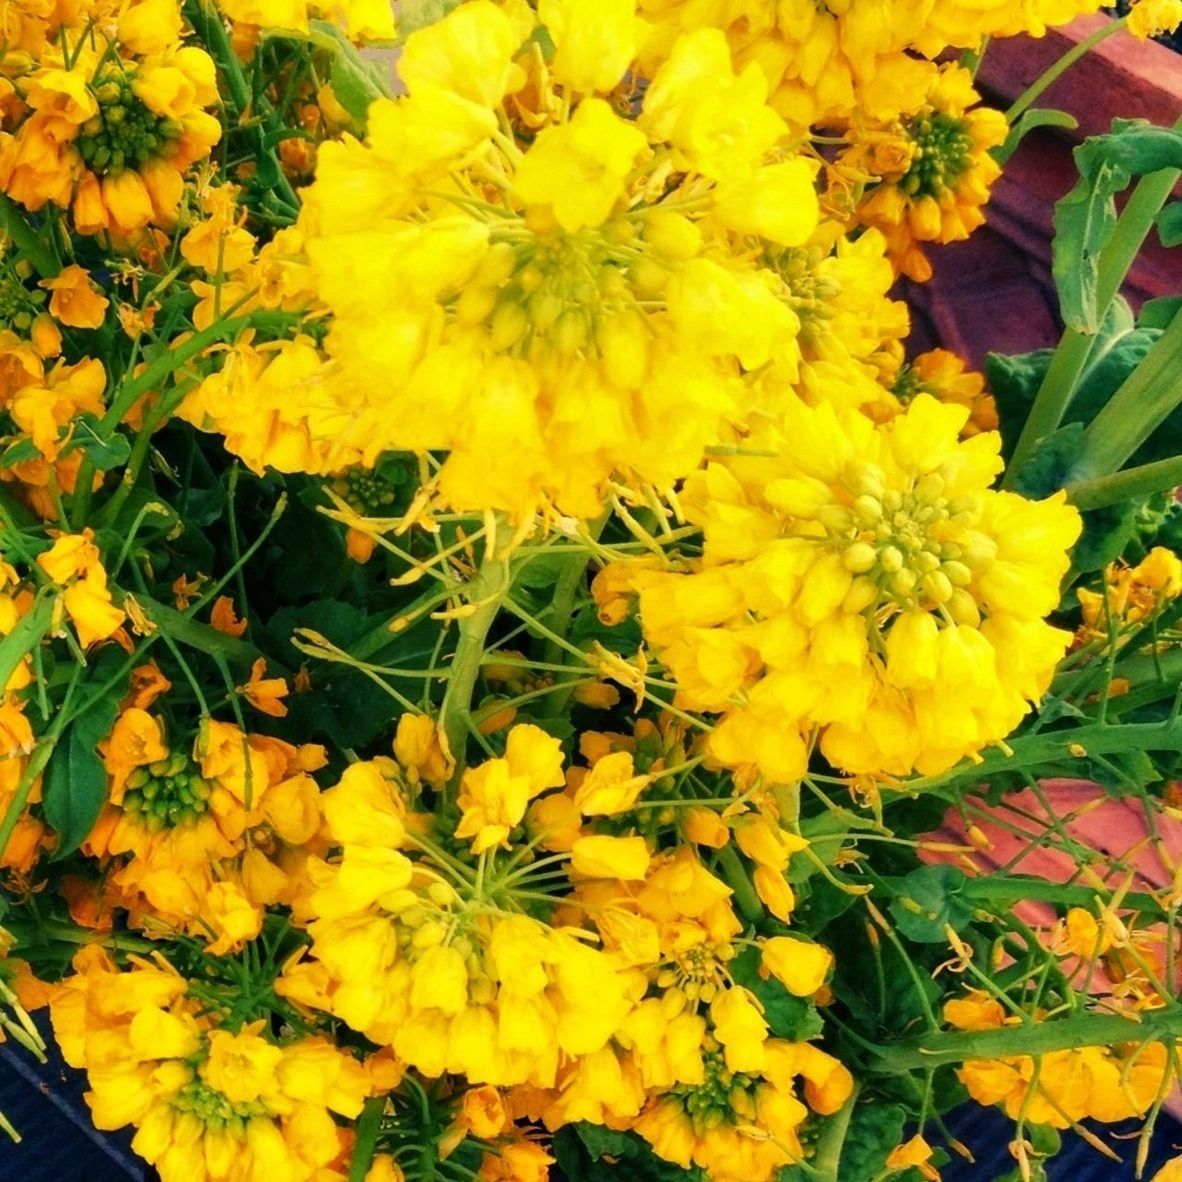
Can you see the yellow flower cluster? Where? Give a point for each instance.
(106, 115)
(578, 299)
(440, 946)
(207, 1103)
(863, 587)
(201, 840)
(1060, 1088)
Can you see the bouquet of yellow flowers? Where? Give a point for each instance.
(493, 618)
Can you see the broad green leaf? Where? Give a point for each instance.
(875, 1129)
(1105, 534)
(75, 786)
(1158, 313)
(930, 901)
(1050, 465)
(1026, 123)
(1086, 216)
(1169, 224)
(418, 14)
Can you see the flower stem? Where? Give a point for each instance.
(1058, 68)
(939, 1048)
(1132, 484)
(486, 593)
(369, 1124)
(1071, 354)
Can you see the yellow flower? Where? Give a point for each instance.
(494, 796)
(241, 1066)
(596, 41)
(915, 1152)
(578, 169)
(600, 856)
(73, 561)
(801, 967)
(878, 594)
(75, 300)
(611, 786)
(265, 694)
(1151, 18)
(938, 195)
(232, 917)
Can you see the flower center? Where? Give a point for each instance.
(213, 1109)
(124, 133)
(943, 152)
(18, 305)
(552, 290)
(376, 492)
(906, 547)
(719, 1096)
(809, 292)
(167, 793)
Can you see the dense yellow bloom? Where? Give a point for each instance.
(111, 134)
(1151, 18)
(934, 170)
(208, 1105)
(541, 284)
(866, 584)
(203, 841)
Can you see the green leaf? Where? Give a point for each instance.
(418, 14)
(1169, 224)
(1050, 465)
(1026, 123)
(18, 453)
(355, 81)
(1158, 313)
(103, 453)
(1086, 217)
(875, 1129)
(592, 1153)
(75, 787)
(930, 901)
(1105, 534)
(787, 1016)
(24, 637)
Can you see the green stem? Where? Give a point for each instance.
(750, 906)
(1134, 484)
(170, 361)
(937, 1049)
(487, 591)
(1053, 72)
(369, 1124)
(1032, 752)
(207, 20)
(827, 1159)
(1071, 355)
(1141, 404)
(995, 888)
(26, 239)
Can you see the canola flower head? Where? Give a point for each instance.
(860, 583)
(543, 281)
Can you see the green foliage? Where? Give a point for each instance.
(1169, 224)
(931, 900)
(787, 1016)
(75, 787)
(1029, 121)
(1086, 217)
(875, 1129)
(592, 1153)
